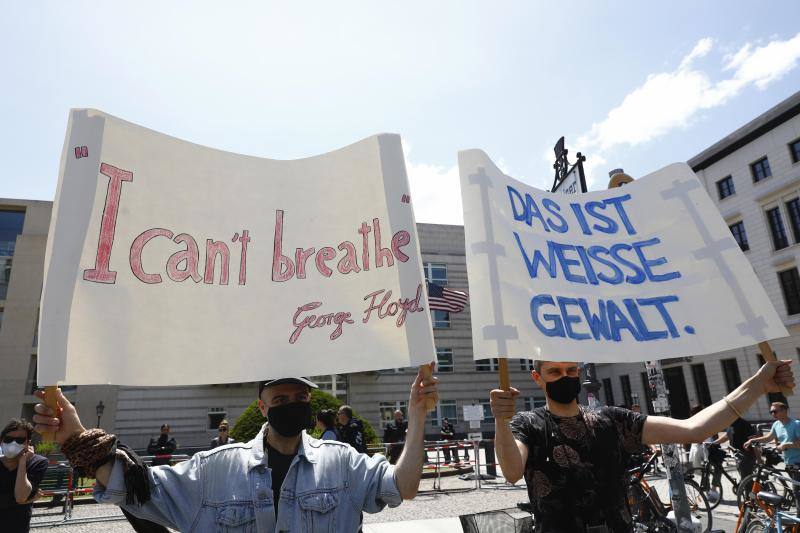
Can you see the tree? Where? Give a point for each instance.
(250, 421)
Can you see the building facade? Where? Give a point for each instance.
(753, 176)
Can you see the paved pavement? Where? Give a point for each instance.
(430, 512)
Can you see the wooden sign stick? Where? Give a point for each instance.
(502, 370)
(769, 355)
(430, 403)
(51, 401)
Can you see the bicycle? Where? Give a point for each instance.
(760, 480)
(709, 475)
(650, 513)
(762, 512)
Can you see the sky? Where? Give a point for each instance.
(637, 85)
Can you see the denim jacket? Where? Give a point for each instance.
(229, 489)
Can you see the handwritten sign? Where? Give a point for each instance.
(173, 263)
(646, 271)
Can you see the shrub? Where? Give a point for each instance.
(250, 421)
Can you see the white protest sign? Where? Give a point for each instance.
(647, 271)
(473, 412)
(169, 263)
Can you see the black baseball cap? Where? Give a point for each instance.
(283, 381)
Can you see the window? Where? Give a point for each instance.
(794, 150)
(5, 276)
(793, 209)
(779, 238)
(11, 223)
(486, 365)
(701, 384)
(625, 381)
(35, 330)
(30, 383)
(534, 402)
(760, 169)
(526, 365)
(445, 409)
(730, 369)
(647, 395)
(444, 359)
(387, 410)
(790, 285)
(334, 384)
(215, 416)
(487, 411)
(725, 187)
(608, 391)
(435, 273)
(440, 319)
(740, 235)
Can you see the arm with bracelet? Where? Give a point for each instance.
(774, 376)
(167, 495)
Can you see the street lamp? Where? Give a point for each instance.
(99, 408)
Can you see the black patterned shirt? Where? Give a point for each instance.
(576, 466)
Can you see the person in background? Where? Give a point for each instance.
(222, 438)
(736, 436)
(351, 430)
(326, 423)
(448, 433)
(20, 476)
(636, 408)
(785, 432)
(163, 447)
(395, 432)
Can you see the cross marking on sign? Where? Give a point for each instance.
(499, 331)
(714, 250)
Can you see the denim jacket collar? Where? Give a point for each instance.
(306, 450)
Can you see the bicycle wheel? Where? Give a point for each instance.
(756, 526)
(698, 505)
(704, 479)
(743, 492)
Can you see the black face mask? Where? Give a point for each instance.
(563, 390)
(290, 419)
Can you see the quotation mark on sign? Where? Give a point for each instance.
(81, 151)
(405, 199)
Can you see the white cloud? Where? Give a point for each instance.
(702, 48)
(667, 101)
(435, 191)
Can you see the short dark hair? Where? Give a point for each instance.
(346, 409)
(165, 426)
(779, 404)
(327, 417)
(16, 424)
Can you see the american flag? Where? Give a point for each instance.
(444, 299)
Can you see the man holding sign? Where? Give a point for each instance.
(574, 459)
(646, 272)
(283, 480)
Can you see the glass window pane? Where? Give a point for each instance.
(444, 359)
(11, 223)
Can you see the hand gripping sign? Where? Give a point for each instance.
(645, 271)
(170, 263)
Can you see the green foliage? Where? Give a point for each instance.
(46, 448)
(249, 423)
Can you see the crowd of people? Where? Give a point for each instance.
(573, 458)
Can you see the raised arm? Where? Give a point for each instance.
(408, 470)
(771, 377)
(511, 453)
